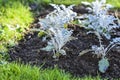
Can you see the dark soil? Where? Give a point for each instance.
(28, 51)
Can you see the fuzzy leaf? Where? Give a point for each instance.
(116, 40)
(63, 52)
(103, 65)
(48, 48)
(86, 3)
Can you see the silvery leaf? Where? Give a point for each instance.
(115, 40)
(63, 7)
(107, 35)
(103, 65)
(71, 6)
(94, 47)
(55, 6)
(48, 48)
(86, 3)
(44, 38)
(63, 52)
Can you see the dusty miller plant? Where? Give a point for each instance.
(103, 51)
(99, 21)
(59, 38)
(53, 24)
(59, 17)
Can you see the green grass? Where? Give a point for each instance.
(115, 3)
(14, 19)
(68, 2)
(14, 71)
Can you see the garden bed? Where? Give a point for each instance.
(28, 51)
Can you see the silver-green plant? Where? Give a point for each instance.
(102, 51)
(53, 24)
(59, 37)
(99, 21)
(59, 17)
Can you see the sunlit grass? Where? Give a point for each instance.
(68, 2)
(115, 3)
(14, 71)
(14, 18)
